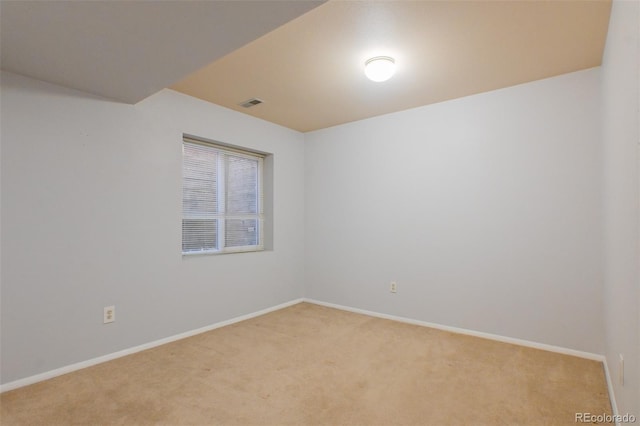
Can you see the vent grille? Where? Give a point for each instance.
(251, 102)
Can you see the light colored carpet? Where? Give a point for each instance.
(311, 365)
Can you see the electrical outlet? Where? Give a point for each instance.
(393, 288)
(109, 314)
(621, 370)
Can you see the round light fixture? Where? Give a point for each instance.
(380, 68)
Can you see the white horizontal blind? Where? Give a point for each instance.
(222, 199)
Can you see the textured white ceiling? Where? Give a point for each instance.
(128, 50)
(303, 58)
(310, 73)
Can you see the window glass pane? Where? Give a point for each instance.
(241, 185)
(199, 235)
(241, 232)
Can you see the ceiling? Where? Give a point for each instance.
(128, 50)
(310, 73)
(305, 59)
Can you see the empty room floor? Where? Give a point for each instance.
(313, 365)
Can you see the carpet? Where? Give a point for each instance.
(313, 365)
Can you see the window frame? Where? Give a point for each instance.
(222, 179)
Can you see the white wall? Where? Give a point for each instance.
(621, 134)
(91, 216)
(486, 210)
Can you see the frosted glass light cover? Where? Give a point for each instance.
(380, 68)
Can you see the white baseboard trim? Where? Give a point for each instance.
(612, 396)
(88, 363)
(497, 337)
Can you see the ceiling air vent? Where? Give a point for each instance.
(251, 102)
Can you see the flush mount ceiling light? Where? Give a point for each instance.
(380, 68)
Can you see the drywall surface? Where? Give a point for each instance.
(91, 217)
(621, 135)
(485, 210)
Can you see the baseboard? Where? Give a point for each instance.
(612, 396)
(497, 337)
(84, 364)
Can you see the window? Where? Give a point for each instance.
(222, 201)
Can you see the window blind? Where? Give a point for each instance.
(222, 200)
